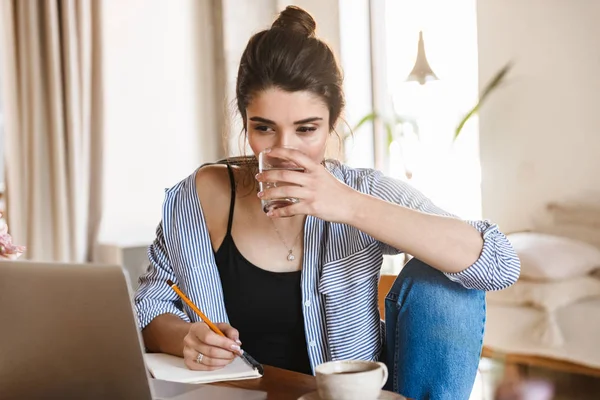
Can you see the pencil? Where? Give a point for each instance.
(245, 356)
(207, 321)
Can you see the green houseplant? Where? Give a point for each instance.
(491, 86)
(394, 126)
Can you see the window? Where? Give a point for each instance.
(379, 47)
(447, 171)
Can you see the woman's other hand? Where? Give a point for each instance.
(204, 350)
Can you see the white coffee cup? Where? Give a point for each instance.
(351, 380)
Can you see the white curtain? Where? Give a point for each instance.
(52, 99)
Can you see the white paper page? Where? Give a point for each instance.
(171, 368)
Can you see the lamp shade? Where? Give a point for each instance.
(421, 72)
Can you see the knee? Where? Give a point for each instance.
(432, 298)
(434, 333)
(431, 286)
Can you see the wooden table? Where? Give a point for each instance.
(278, 383)
(540, 362)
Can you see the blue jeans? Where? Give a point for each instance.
(434, 334)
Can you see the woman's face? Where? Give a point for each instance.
(294, 119)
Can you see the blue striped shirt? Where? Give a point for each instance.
(340, 271)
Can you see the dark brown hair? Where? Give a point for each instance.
(288, 56)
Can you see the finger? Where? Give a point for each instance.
(189, 359)
(206, 359)
(283, 175)
(283, 192)
(205, 364)
(205, 335)
(294, 155)
(225, 343)
(289, 211)
(299, 178)
(230, 332)
(214, 352)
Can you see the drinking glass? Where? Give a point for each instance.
(268, 162)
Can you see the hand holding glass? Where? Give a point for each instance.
(268, 162)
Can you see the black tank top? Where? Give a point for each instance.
(264, 306)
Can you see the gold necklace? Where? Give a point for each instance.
(290, 257)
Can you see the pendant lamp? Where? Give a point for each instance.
(421, 72)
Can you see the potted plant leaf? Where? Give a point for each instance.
(491, 86)
(394, 126)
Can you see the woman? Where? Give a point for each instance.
(298, 286)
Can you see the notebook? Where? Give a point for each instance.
(171, 368)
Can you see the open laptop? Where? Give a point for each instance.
(68, 331)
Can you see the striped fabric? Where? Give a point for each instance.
(340, 271)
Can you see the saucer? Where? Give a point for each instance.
(385, 395)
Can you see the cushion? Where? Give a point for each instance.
(547, 296)
(546, 257)
(579, 220)
(580, 233)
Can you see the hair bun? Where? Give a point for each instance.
(297, 20)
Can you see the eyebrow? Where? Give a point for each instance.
(299, 122)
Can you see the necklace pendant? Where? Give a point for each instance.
(291, 257)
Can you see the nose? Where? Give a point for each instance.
(285, 138)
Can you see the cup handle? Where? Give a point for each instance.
(384, 371)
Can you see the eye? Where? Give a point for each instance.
(262, 128)
(307, 129)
